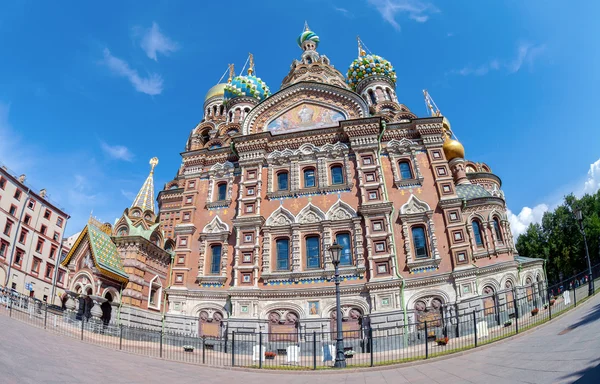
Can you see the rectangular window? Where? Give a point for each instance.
(215, 265)
(18, 194)
(23, 236)
(191, 185)
(222, 192)
(378, 225)
(47, 214)
(309, 178)
(179, 278)
(405, 171)
(282, 247)
(282, 181)
(27, 220)
(453, 216)
(343, 239)
(3, 249)
(380, 246)
(188, 199)
(180, 259)
(18, 256)
(373, 195)
(436, 154)
(382, 268)
(252, 174)
(40, 246)
(31, 204)
(246, 278)
(246, 257)
(370, 177)
(52, 253)
(461, 257)
(250, 191)
(59, 221)
(2, 183)
(55, 236)
(458, 236)
(60, 277)
(367, 160)
(43, 229)
(248, 237)
(35, 267)
(419, 242)
(249, 208)
(337, 175)
(313, 252)
(8, 227)
(186, 216)
(446, 189)
(183, 241)
(12, 210)
(441, 171)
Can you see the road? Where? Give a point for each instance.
(565, 350)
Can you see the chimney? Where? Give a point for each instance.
(22, 178)
(43, 193)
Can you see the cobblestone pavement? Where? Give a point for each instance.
(566, 350)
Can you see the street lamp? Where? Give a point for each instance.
(579, 217)
(340, 359)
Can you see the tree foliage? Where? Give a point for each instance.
(558, 238)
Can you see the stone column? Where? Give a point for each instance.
(70, 306)
(96, 312)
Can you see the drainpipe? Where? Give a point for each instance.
(168, 286)
(385, 194)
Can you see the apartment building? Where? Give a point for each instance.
(31, 233)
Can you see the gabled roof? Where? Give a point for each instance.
(104, 252)
(471, 191)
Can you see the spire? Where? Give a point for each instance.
(145, 197)
(361, 51)
(306, 28)
(231, 73)
(251, 65)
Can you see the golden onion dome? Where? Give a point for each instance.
(217, 90)
(453, 149)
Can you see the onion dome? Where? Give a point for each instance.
(366, 66)
(453, 149)
(249, 86)
(309, 36)
(216, 91)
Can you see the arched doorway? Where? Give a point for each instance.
(210, 323)
(351, 323)
(283, 326)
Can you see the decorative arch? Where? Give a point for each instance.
(489, 282)
(340, 211)
(414, 205)
(216, 226)
(310, 214)
(348, 303)
(280, 217)
(207, 306)
(155, 293)
(282, 306)
(116, 298)
(427, 296)
(80, 274)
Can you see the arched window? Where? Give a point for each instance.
(221, 191)
(155, 295)
(123, 231)
(232, 132)
(372, 96)
(343, 239)
(419, 242)
(497, 230)
(477, 233)
(282, 181)
(337, 175)
(389, 94)
(282, 247)
(214, 110)
(205, 136)
(405, 171)
(215, 264)
(222, 108)
(309, 178)
(313, 252)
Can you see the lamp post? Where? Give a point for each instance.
(340, 358)
(579, 217)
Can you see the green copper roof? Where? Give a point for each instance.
(524, 259)
(471, 191)
(105, 251)
(140, 230)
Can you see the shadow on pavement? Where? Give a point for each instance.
(590, 375)
(592, 316)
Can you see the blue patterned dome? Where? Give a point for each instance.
(308, 35)
(369, 65)
(249, 86)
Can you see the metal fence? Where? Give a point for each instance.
(365, 347)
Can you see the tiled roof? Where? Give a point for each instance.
(105, 251)
(471, 191)
(524, 259)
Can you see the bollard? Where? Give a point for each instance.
(475, 327)
(314, 350)
(426, 343)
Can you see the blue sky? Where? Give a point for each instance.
(89, 92)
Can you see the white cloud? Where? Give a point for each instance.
(526, 54)
(344, 12)
(418, 11)
(154, 42)
(128, 194)
(151, 85)
(520, 222)
(117, 152)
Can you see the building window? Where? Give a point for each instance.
(47, 214)
(405, 171)
(380, 246)
(461, 257)
(446, 189)
(477, 233)
(8, 227)
(252, 174)
(373, 195)
(49, 270)
(40, 246)
(180, 259)
(497, 230)
(31, 204)
(453, 216)
(382, 268)
(27, 220)
(246, 278)
(367, 160)
(2, 183)
(60, 277)
(35, 267)
(52, 253)
(369, 176)
(337, 175)
(378, 225)
(282, 181)
(248, 237)
(186, 216)
(188, 200)
(18, 256)
(313, 252)
(12, 210)
(441, 171)
(3, 249)
(419, 242)
(179, 278)
(221, 191)
(247, 257)
(249, 208)
(55, 236)
(309, 178)
(23, 236)
(458, 236)
(18, 194)
(43, 229)
(343, 239)
(250, 191)
(191, 185)
(436, 154)
(282, 247)
(215, 265)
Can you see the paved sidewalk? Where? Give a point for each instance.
(564, 351)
